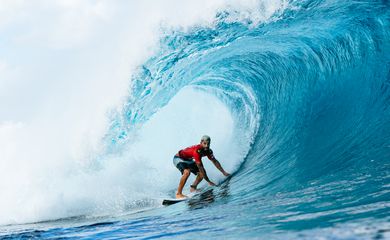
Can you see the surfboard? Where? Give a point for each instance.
(203, 193)
(171, 201)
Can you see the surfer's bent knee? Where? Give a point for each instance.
(186, 172)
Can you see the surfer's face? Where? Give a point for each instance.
(205, 144)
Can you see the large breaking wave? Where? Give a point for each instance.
(297, 105)
(309, 94)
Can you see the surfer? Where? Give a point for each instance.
(190, 160)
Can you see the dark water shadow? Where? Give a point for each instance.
(210, 196)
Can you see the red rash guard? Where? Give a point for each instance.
(196, 152)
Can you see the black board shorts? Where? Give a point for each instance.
(182, 164)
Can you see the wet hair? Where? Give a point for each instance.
(205, 138)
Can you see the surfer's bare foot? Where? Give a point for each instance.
(192, 189)
(226, 174)
(180, 196)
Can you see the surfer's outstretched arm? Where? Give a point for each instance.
(203, 172)
(218, 165)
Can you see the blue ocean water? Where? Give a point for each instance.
(310, 90)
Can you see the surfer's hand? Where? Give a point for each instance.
(212, 184)
(226, 174)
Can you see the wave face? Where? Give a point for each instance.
(310, 89)
(308, 94)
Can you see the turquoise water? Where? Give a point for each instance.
(309, 91)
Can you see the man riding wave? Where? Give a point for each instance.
(190, 160)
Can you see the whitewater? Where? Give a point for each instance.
(97, 96)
